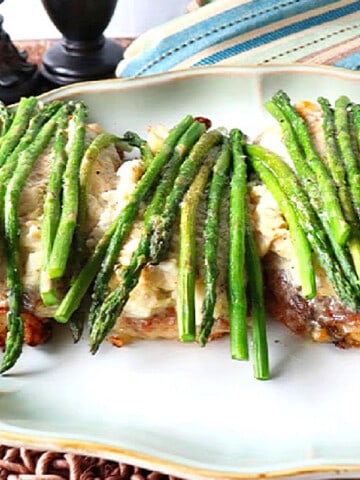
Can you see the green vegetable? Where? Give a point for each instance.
(70, 197)
(263, 162)
(319, 185)
(187, 252)
(121, 226)
(135, 140)
(6, 118)
(27, 159)
(334, 159)
(211, 237)
(52, 208)
(347, 150)
(100, 142)
(35, 124)
(236, 263)
(258, 314)
(184, 145)
(306, 222)
(129, 275)
(25, 110)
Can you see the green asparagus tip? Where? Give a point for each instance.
(240, 355)
(49, 298)
(61, 318)
(262, 374)
(7, 363)
(203, 338)
(55, 272)
(187, 337)
(94, 347)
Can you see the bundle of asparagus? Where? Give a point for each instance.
(193, 209)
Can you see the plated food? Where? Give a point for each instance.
(167, 237)
(155, 398)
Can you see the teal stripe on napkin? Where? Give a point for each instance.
(317, 20)
(199, 39)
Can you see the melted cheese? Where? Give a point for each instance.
(109, 190)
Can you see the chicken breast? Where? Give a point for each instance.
(151, 309)
(36, 316)
(323, 318)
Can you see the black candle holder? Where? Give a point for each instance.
(18, 77)
(83, 53)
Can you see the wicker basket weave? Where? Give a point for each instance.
(22, 464)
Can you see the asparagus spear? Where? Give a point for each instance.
(129, 275)
(100, 142)
(309, 183)
(334, 157)
(24, 112)
(184, 145)
(6, 118)
(324, 186)
(255, 282)
(52, 208)
(236, 263)
(121, 226)
(355, 117)
(211, 238)
(346, 145)
(70, 197)
(187, 253)
(163, 232)
(309, 223)
(136, 141)
(34, 126)
(28, 157)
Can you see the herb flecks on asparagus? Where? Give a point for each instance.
(346, 146)
(309, 182)
(281, 181)
(27, 159)
(306, 222)
(236, 263)
(187, 266)
(161, 230)
(121, 226)
(52, 209)
(70, 196)
(337, 146)
(323, 189)
(211, 239)
(181, 149)
(36, 122)
(24, 112)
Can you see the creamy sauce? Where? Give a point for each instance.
(110, 187)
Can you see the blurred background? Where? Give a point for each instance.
(26, 19)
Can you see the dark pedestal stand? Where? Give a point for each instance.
(83, 53)
(17, 76)
(76, 61)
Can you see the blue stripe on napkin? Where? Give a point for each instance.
(280, 33)
(221, 27)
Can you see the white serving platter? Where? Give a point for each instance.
(178, 408)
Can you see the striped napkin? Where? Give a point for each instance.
(250, 32)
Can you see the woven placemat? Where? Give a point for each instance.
(23, 464)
